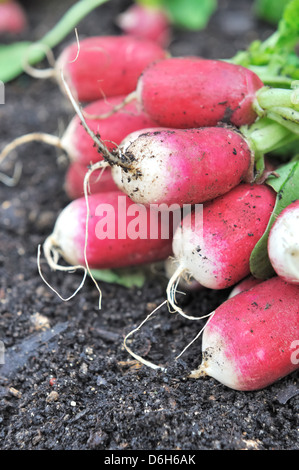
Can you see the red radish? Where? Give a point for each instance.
(215, 247)
(100, 181)
(146, 22)
(12, 17)
(184, 92)
(80, 146)
(283, 244)
(245, 284)
(249, 341)
(117, 237)
(182, 166)
(189, 92)
(106, 65)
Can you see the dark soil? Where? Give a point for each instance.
(67, 382)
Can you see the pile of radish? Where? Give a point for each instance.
(153, 135)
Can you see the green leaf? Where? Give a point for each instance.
(127, 277)
(270, 10)
(191, 14)
(287, 189)
(275, 60)
(12, 56)
(288, 27)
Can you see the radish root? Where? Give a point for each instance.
(111, 158)
(32, 137)
(136, 356)
(149, 363)
(52, 256)
(172, 290)
(210, 315)
(99, 165)
(50, 72)
(12, 181)
(128, 99)
(52, 251)
(40, 73)
(25, 139)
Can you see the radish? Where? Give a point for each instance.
(215, 247)
(188, 92)
(106, 65)
(117, 237)
(13, 18)
(182, 166)
(147, 22)
(248, 342)
(187, 166)
(283, 244)
(100, 181)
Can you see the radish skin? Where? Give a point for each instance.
(248, 342)
(119, 248)
(106, 65)
(186, 92)
(215, 249)
(283, 244)
(100, 181)
(182, 166)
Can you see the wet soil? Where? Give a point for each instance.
(67, 382)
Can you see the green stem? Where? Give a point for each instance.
(263, 137)
(66, 24)
(267, 136)
(270, 78)
(268, 98)
(279, 118)
(281, 103)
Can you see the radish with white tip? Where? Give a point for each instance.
(250, 340)
(215, 249)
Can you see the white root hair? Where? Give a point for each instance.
(149, 363)
(25, 139)
(171, 294)
(210, 315)
(137, 356)
(40, 73)
(128, 99)
(52, 256)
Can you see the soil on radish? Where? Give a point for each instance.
(67, 382)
